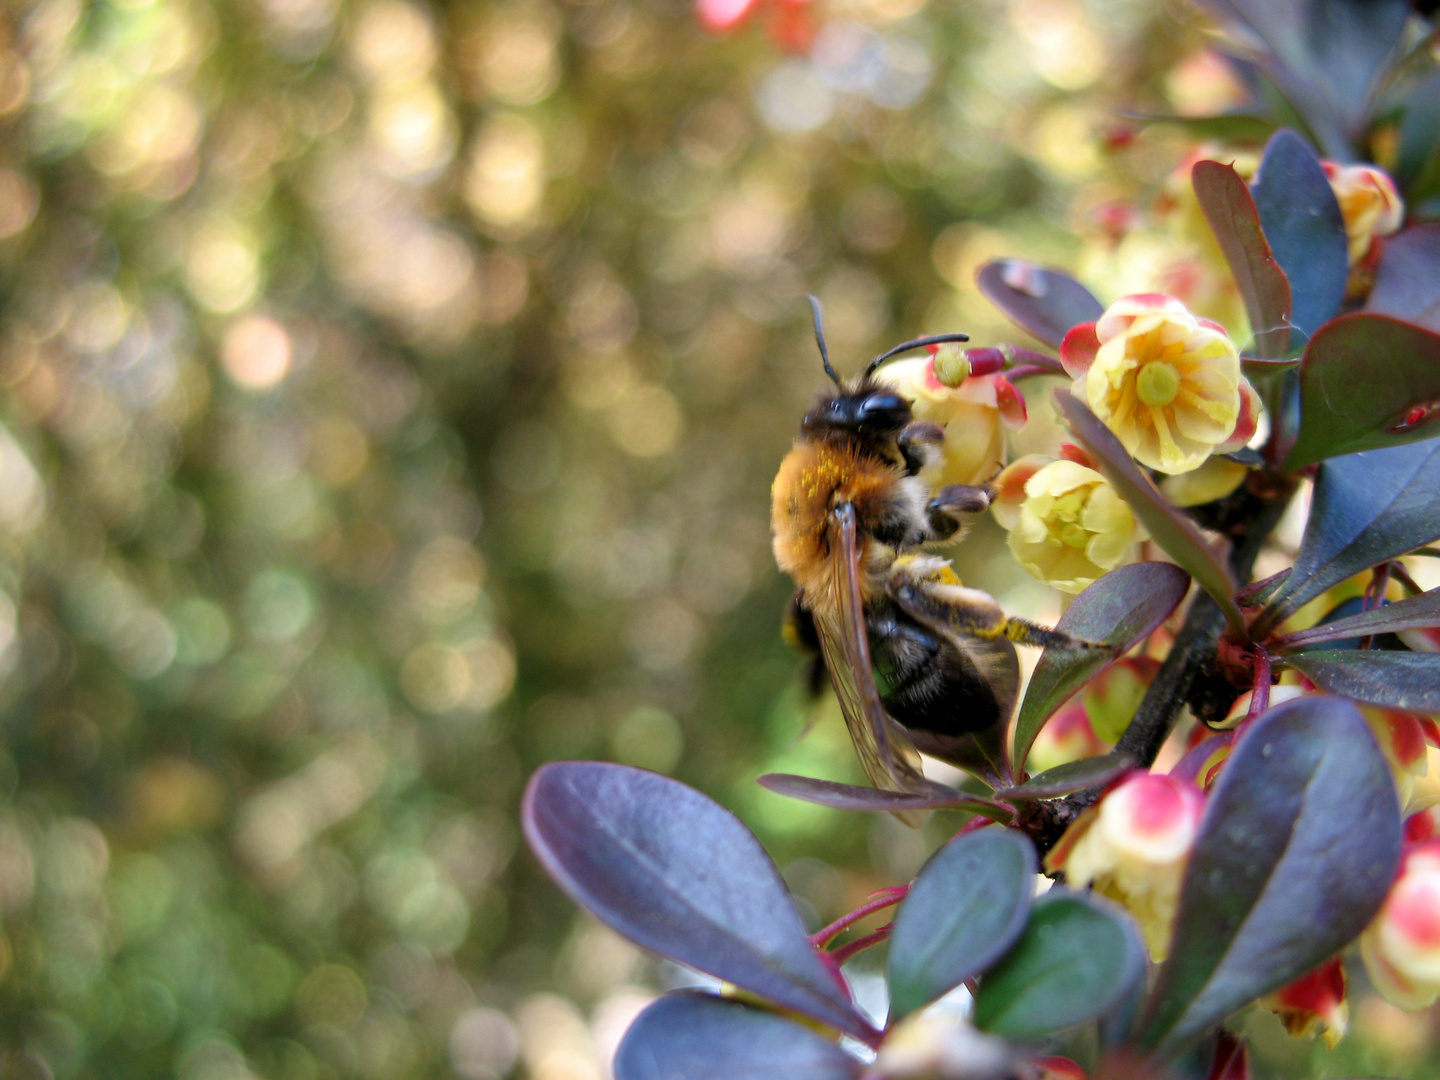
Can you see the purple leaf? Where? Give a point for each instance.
(1118, 609)
(1173, 531)
(692, 1036)
(964, 910)
(1407, 681)
(1326, 56)
(1407, 281)
(1303, 225)
(1228, 207)
(1366, 381)
(1047, 303)
(1071, 776)
(1367, 508)
(1414, 613)
(679, 874)
(854, 797)
(1297, 848)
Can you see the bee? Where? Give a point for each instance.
(918, 661)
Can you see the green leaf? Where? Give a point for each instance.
(1228, 207)
(1232, 127)
(1296, 851)
(1394, 680)
(856, 797)
(1077, 959)
(1414, 613)
(1361, 377)
(1173, 531)
(1367, 508)
(1071, 776)
(1118, 609)
(1045, 302)
(703, 1037)
(964, 910)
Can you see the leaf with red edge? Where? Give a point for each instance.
(1366, 381)
(856, 797)
(1173, 531)
(1228, 207)
(1407, 280)
(679, 874)
(703, 1037)
(1278, 881)
(1045, 302)
(1118, 609)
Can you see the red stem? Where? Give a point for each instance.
(860, 944)
(883, 899)
(1018, 356)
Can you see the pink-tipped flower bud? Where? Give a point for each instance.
(1401, 946)
(1133, 848)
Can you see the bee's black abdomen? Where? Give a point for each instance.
(927, 684)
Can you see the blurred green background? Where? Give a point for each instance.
(389, 396)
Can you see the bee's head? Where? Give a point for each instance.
(866, 407)
(869, 410)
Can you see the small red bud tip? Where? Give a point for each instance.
(984, 361)
(1071, 452)
(1414, 416)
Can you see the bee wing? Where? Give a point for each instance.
(889, 760)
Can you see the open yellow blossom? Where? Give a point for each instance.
(1067, 525)
(1165, 381)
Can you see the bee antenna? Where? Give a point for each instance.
(820, 340)
(917, 343)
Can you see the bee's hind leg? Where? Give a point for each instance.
(1024, 632)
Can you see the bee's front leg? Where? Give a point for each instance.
(950, 508)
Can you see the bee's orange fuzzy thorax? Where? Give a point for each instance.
(813, 479)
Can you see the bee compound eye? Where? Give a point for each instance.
(884, 410)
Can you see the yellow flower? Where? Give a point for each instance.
(1133, 848)
(1067, 525)
(974, 410)
(1165, 381)
(1401, 946)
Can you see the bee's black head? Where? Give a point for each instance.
(869, 410)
